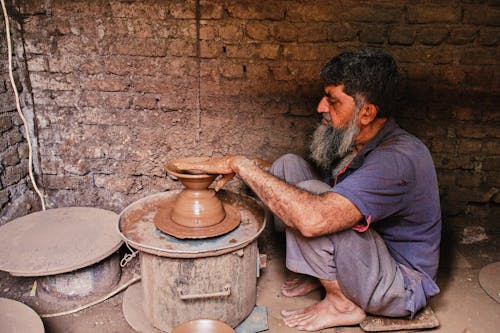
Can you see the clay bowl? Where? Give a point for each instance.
(196, 206)
(192, 179)
(203, 326)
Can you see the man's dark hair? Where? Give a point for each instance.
(370, 73)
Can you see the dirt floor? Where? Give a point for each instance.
(461, 307)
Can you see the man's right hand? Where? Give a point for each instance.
(210, 165)
(219, 166)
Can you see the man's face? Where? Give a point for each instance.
(335, 136)
(336, 107)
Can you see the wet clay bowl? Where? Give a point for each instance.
(197, 211)
(203, 326)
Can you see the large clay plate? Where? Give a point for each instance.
(203, 326)
(133, 311)
(164, 222)
(17, 317)
(137, 228)
(58, 240)
(489, 279)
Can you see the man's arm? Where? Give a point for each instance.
(313, 215)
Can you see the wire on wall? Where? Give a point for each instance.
(18, 106)
(198, 65)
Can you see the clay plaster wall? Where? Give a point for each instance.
(121, 87)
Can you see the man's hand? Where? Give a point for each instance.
(220, 166)
(210, 165)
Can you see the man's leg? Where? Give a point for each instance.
(358, 274)
(334, 310)
(304, 284)
(292, 169)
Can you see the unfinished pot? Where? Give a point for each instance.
(197, 211)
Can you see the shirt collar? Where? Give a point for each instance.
(381, 136)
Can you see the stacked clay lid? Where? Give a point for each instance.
(58, 240)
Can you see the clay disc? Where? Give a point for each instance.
(203, 326)
(17, 317)
(58, 240)
(132, 310)
(489, 279)
(163, 222)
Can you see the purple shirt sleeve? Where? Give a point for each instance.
(378, 188)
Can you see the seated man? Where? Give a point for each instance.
(368, 230)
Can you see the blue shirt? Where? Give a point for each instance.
(393, 182)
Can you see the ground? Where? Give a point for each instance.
(461, 307)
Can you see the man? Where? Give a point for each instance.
(370, 234)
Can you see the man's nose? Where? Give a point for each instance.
(322, 105)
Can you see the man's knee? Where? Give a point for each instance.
(292, 169)
(314, 186)
(286, 161)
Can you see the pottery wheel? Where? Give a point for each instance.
(17, 317)
(58, 240)
(164, 222)
(137, 228)
(489, 279)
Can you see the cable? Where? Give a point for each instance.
(18, 106)
(128, 256)
(102, 299)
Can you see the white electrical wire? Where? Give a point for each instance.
(133, 280)
(18, 106)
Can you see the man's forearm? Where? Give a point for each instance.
(312, 215)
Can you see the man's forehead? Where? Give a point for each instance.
(334, 91)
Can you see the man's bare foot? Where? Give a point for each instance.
(300, 286)
(323, 315)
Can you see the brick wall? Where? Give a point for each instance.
(121, 87)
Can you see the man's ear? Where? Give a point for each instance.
(367, 114)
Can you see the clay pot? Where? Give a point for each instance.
(203, 326)
(196, 206)
(197, 211)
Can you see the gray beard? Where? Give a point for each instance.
(332, 148)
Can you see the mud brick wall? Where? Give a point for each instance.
(121, 87)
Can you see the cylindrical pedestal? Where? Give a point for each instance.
(176, 290)
(95, 280)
